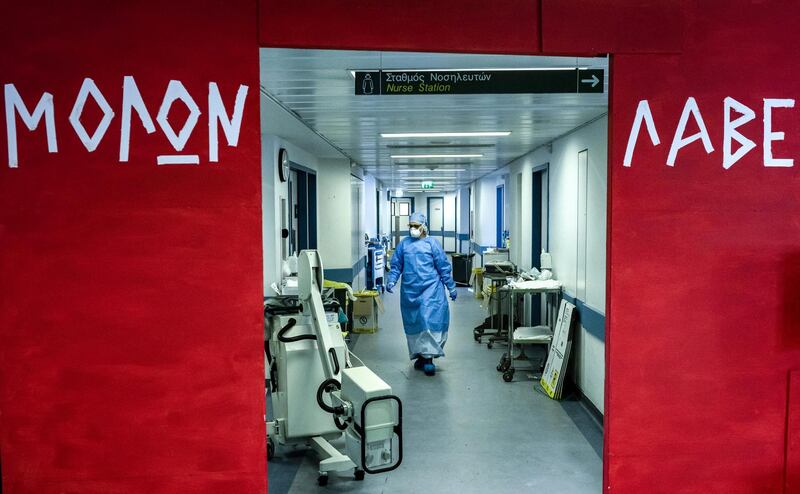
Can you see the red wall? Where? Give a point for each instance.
(704, 263)
(130, 342)
(131, 354)
(793, 435)
(509, 26)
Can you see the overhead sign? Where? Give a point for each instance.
(385, 82)
(427, 185)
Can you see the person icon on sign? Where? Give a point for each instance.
(367, 86)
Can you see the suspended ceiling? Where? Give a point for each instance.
(317, 87)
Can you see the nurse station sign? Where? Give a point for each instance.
(443, 82)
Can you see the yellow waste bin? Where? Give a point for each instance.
(477, 282)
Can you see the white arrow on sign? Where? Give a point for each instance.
(594, 80)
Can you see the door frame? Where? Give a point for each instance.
(377, 46)
(540, 217)
(500, 201)
(392, 201)
(542, 172)
(430, 231)
(306, 225)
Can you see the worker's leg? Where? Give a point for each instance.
(424, 347)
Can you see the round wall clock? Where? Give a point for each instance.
(283, 165)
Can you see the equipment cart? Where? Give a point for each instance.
(535, 335)
(498, 331)
(375, 265)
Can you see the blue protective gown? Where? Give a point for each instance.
(426, 272)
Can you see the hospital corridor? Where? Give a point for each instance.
(434, 272)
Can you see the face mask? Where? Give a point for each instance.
(415, 232)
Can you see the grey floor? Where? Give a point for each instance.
(465, 429)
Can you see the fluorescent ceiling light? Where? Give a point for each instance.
(433, 163)
(423, 165)
(398, 192)
(432, 179)
(436, 183)
(404, 135)
(426, 190)
(424, 170)
(426, 156)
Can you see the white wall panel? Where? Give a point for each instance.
(581, 226)
(596, 223)
(334, 222)
(450, 219)
(386, 213)
(564, 183)
(515, 218)
(357, 248)
(589, 364)
(463, 219)
(369, 213)
(486, 210)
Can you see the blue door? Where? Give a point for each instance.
(499, 210)
(536, 239)
(536, 215)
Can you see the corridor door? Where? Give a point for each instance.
(500, 215)
(401, 210)
(436, 218)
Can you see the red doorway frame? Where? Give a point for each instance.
(520, 38)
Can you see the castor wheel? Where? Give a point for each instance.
(508, 376)
(359, 474)
(270, 449)
(322, 480)
(503, 365)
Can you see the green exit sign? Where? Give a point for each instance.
(427, 185)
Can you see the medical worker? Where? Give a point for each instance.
(426, 272)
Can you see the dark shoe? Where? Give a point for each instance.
(429, 368)
(419, 364)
